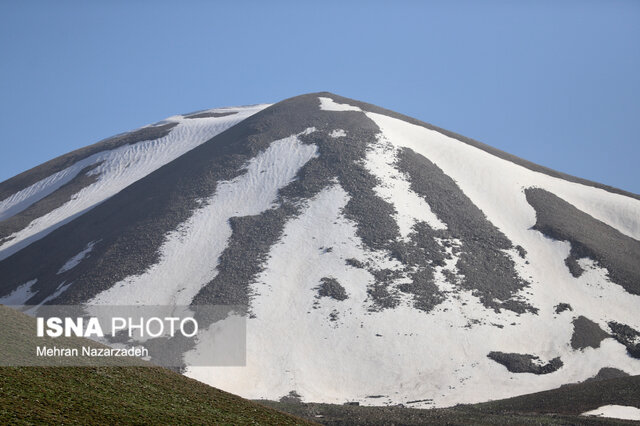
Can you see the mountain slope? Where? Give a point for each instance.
(41, 199)
(380, 259)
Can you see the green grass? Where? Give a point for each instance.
(122, 395)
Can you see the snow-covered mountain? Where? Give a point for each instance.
(381, 259)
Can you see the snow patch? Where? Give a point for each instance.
(615, 412)
(20, 295)
(24, 198)
(338, 133)
(396, 189)
(62, 287)
(75, 260)
(328, 104)
(189, 256)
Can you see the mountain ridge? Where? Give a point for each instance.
(8, 186)
(481, 145)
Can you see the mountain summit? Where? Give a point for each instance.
(379, 259)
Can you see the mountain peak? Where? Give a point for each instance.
(372, 253)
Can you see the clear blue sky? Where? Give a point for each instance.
(555, 82)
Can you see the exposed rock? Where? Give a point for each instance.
(525, 363)
(485, 269)
(589, 237)
(330, 287)
(292, 397)
(628, 336)
(561, 307)
(355, 263)
(607, 373)
(586, 334)
(210, 114)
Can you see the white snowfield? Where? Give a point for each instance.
(615, 412)
(119, 168)
(402, 355)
